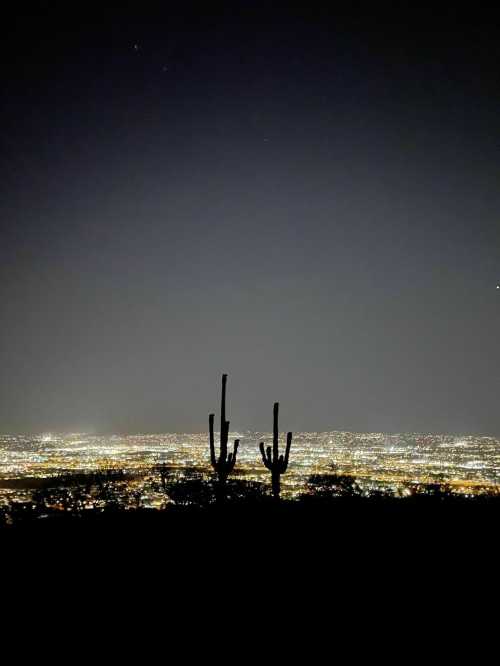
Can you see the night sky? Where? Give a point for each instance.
(307, 201)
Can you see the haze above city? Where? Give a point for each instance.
(306, 201)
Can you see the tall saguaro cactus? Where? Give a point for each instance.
(224, 464)
(277, 464)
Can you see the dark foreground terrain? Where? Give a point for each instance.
(351, 526)
(333, 541)
(316, 568)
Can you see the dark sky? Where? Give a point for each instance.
(307, 201)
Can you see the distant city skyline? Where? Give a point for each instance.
(468, 464)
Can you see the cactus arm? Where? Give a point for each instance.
(235, 448)
(263, 453)
(288, 447)
(231, 459)
(212, 443)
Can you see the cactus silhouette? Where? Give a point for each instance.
(277, 464)
(224, 464)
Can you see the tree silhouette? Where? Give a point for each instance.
(328, 486)
(277, 464)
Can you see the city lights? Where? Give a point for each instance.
(467, 465)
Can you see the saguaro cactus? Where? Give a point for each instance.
(224, 464)
(277, 464)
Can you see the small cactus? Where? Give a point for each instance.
(224, 464)
(277, 464)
